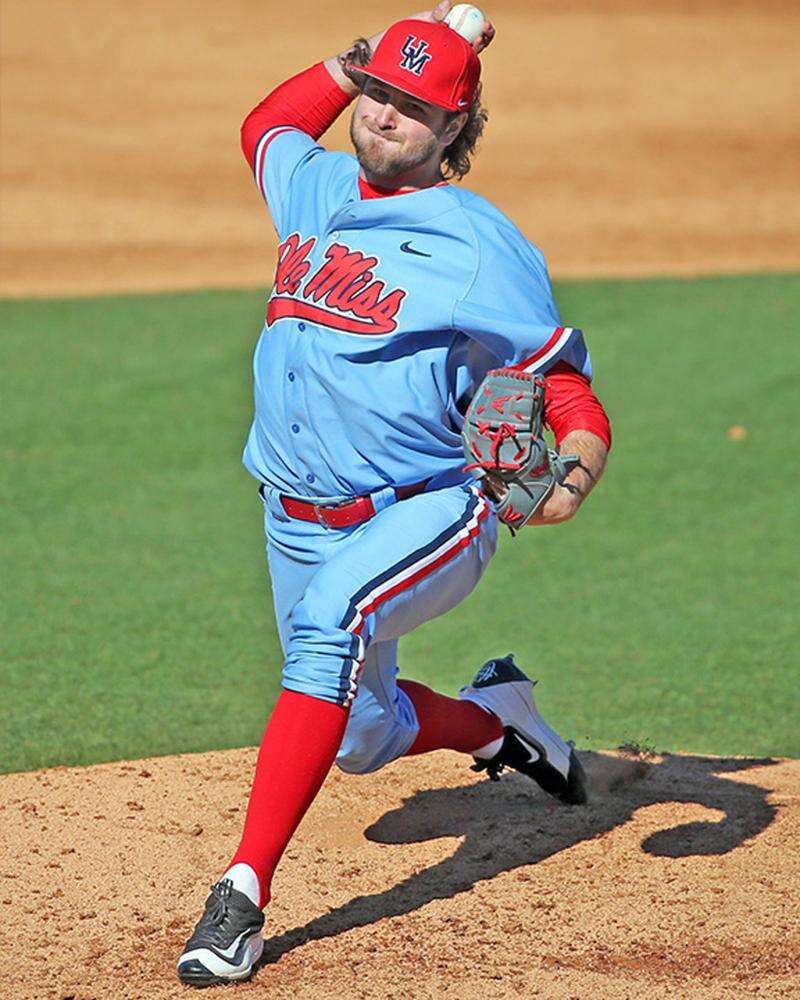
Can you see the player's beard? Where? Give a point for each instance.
(388, 158)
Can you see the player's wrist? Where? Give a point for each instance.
(560, 506)
(592, 452)
(344, 67)
(359, 54)
(578, 483)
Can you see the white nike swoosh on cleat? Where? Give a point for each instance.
(224, 968)
(534, 754)
(228, 953)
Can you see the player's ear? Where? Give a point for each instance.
(453, 127)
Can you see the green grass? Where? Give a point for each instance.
(136, 616)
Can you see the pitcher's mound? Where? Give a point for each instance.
(680, 879)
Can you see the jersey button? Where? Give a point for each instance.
(290, 376)
(310, 477)
(301, 326)
(295, 428)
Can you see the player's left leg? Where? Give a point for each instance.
(358, 591)
(496, 719)
(391, 718)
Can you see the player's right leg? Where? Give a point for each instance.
(300, 741)
(497, 722)
(414, 560)
(392, 718)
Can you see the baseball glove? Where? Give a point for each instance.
(504, 446)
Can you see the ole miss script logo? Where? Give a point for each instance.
(343, 293)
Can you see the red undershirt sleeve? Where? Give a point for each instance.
(570, 405)
(311, 101)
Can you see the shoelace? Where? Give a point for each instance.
(222, 893)
(493, 769)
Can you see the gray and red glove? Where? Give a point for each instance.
(504, 446)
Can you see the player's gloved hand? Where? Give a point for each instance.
(504, 446)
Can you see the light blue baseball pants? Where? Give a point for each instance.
(343, 597)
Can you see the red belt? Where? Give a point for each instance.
(343, 515)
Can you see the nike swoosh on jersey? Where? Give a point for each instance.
(407, 248)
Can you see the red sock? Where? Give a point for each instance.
(449, 723)
(301, 740)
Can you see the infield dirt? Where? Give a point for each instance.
(680, 879)
(624, 138)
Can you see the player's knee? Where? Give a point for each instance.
(357, 759)
(322, 658)
(363, 748)
(376, 734)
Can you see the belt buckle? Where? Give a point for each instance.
(319, 508)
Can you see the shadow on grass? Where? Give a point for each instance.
(510, 824)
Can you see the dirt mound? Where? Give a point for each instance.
(623, 139)
(681, 878)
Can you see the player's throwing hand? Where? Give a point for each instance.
(440, 12)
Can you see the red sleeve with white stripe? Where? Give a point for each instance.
(564, 345)
(310, 102)
(280, 134)
(508, 306)
(570, 405)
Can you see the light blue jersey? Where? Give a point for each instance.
(385, 315)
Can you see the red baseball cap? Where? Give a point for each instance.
(428, 60)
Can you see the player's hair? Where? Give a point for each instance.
(457, 158)
(458, 155)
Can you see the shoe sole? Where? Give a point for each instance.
(577, 792)
(194, 973)
(574, 793)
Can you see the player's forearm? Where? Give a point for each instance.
(565, 500)
(570, 404)
(310, 101)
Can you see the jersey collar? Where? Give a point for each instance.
(368, 191)
(396, 211)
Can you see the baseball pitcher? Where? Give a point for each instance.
(412, 354)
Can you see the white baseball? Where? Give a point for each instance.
(466, 20)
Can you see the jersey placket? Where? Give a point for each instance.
(304, 440)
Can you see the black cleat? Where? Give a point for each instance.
(227, 940)
(521, 755)
(530, 745)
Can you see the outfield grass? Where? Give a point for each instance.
(136, 617)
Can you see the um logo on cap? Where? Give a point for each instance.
(415, 58)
